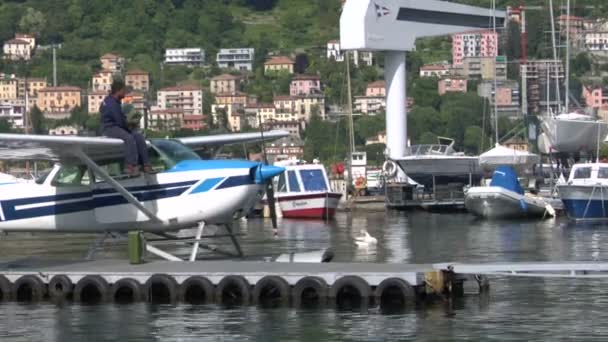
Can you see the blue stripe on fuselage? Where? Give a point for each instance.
(235, 181)
(206, 185)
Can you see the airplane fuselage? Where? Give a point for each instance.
(192, 191)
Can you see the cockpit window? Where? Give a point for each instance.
(71, 176)
(174, 151)
(583, 172)
(602, 173)
(43, 176)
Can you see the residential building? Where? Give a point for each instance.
(597, 41)
(535, 72)
(167, 119)
(94, 100)
(305, 85)
(58, 102)
(188, 56)
(434, 70)
(138, 79)
(234, 113)
(595, 96)
(18, 49)
(370, 105)
(482, 43)
(484, 68)
(8, 88)
(102, 80)
(287, 148)
(113, 62)
(452, 84)
(577, 28)
(359, 57)
(236, 98)
(33, 85)
(64, 130)
(379, 138)
(194, 122)
(306, 106)
(239, 59)
(276, 64)
(13, 113)
(285, 108)
(137, 99)
(377, 88)
(294, 127)
(225, 84)
(507, 96)
(187, 98)
(262, 112)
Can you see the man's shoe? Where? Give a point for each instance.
(148, 169)
(133, 170)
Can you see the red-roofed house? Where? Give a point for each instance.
(377, 88)
(170, 119)
(225, 84)
(452, 84)
(57, 102)
(113, 62)
(17, 49)
(102, 81)
(187, 98)
(138, 79)
(279, 64)
(194, 122)
(434, 70)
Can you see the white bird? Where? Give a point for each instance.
(365, 239)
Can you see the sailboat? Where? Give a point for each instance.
(568, 132)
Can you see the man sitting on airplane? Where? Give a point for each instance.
(114, 125)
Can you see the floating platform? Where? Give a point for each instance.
(350, 285)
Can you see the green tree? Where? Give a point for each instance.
(581, 64)
(5, 126)
(472, 139)
(33, 21)
(37, 121)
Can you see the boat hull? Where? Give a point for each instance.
(445, 170)
(584, 202)
(494, 202)
(571, 136)
(316, 205)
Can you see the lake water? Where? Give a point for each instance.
(518, 309)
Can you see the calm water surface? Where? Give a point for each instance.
(517, 309)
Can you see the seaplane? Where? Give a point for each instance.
(86, 191)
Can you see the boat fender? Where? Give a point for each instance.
(127, 290)
(61, 288)
(389, 168)
(162, 289)
(550, 210)
(196, 290)
(310, 291)
(350, 292)
(29, 288)
(6, 289)
(394, 293)
(271, 291)
(523, 205)
(233, 290)
(92, 289)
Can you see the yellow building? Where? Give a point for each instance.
(138, 80)
(278, 64)
(114, 63)
(8, 88)
(57, 102)
(102, 81)
(225, 84)
(94, 100)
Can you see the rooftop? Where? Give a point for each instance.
(137, 72)
(60, 88)
(306, 77)
(377, 84)
(182, 88)
(430, 67)
(17, 41)
(279, 60)
(110, 56)
(225, 77)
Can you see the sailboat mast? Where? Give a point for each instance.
(557, 90)
(351, 134)
(495, 81)
(567, 103)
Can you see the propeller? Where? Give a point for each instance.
(269, 186)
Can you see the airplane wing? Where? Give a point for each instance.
(197, 143)
(62, 148)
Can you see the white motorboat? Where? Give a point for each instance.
(440, 164)
(571, 133)
(585, 195)
(505, 198)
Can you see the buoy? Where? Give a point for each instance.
(350, 293)
(393, 295)
(6, 289)
(271, 291)
(127, 291)
(196, 290)
(91, 289)
(29, 288)
(61, 288)
(310, 292)
(233, 290)
(389, 168)
(162, 289)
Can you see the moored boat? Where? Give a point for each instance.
(585, 195)
(303, 192)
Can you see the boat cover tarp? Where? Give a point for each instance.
(501, 155)
(506, 177)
